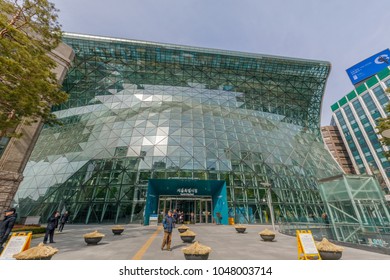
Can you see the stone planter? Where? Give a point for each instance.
(240, 229)
(92, 240)
(43, 258)
(267, 237)
(196, 251)
(330, 255)
(196, 256)
(117, 231)
(187, 239)
(181, 230)
(40, 252)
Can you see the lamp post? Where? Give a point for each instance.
(269, 199)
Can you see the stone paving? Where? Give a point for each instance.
(144, 242)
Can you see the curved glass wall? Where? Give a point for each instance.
(140, 110)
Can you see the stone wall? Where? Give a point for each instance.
(9, 183)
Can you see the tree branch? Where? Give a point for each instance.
(11, 23)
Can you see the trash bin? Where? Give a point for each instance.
(231, 220)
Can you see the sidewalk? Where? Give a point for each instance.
(144, 242)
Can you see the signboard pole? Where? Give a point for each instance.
(307, 249)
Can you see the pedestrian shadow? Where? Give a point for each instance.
(99, 244)
(179, 246)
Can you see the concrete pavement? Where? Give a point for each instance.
(144, 242)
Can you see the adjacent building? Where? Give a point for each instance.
(334, 142)
(356, 116)
(150, 127)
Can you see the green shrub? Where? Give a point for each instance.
(33, 229)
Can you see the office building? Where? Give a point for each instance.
(356, 116)
(335, 144)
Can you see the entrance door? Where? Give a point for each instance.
(195, 209)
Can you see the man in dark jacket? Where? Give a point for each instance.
(52, 224)
(7, 224)
(168, 224)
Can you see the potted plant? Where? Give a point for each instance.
(117, 230)
(182, 228)
(40, 252)
(267, 235)
(240, 228)
(328, 250)
(187, 236)
(196, 252)
(93, 238)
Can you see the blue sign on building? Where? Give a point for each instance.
(369, 66)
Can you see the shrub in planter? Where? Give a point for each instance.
(188, 236)
(33, 229)
(93, 238)
(267, 235)
(40, 252)
(196, 252)
(240, 228)
(182, 228)
(328, 250)
(117, 230)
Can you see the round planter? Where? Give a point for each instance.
(44, 258)
(187, 239)
(240, 230)
(92, 240)
(267, 237)
(330, 255)
(117, 231)
(181, 230)
(39, 258)
(196, 257)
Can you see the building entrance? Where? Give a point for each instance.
(195, 209)
(205, 199)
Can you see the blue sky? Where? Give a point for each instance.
(343, 32)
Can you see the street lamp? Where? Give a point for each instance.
(269, 199)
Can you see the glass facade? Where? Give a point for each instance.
(357, 210)
(139, 111)
(356, 116)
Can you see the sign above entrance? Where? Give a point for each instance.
(187, 191)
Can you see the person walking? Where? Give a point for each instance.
(325, 218)
(6, 225)
(168, 224)
(52, 224)
(63, 221)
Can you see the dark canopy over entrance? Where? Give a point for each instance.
(215, 189)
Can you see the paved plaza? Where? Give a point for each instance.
(144, 242)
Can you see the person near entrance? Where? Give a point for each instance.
(168, 224)
(175, 215)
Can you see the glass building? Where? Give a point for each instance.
(150, 127)
(356, 116)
